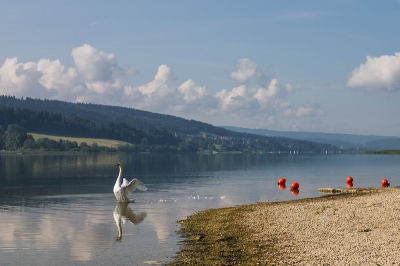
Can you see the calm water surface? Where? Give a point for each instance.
(60, 209)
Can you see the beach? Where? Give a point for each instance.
(360, 228)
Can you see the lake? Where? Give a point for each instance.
(60, 209)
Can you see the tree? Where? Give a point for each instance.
(145, 142)
(95, 147)
(15, 137)
(83, 145)
(29, 142)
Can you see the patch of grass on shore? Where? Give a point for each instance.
(219, 237)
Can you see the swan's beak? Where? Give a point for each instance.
(118, 164)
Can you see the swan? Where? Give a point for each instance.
(123, 213)
(122, 191)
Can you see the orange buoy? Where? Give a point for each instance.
(349, 184)
(295, 192)
(295, 185)
(281, 186)
(349, 179)
(281, 181)
(385, 182)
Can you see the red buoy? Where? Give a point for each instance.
(349, 179)
(281, 181)
(295, 185)
(349, 184)
(385, 182)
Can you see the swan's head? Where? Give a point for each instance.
(119, 164)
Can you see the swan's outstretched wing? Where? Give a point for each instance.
(134, 184)
(125, 182)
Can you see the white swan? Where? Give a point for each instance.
(122, 191)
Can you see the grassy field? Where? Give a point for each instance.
(89, 141)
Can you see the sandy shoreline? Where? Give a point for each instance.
(352, 229)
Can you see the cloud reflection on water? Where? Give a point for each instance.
(80, 230)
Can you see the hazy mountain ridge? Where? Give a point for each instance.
(340, 140)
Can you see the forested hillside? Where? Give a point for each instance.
(55, 124)
(104, 114)
(153, 132)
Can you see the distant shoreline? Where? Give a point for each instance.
(4, 152)
(383, 152)
(32, 152)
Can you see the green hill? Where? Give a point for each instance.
(146, 130)
(104, 114)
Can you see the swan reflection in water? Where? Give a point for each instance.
(124, 213)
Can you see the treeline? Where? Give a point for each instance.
(55, 124)
(139, 119)
(110, 122)
(16, 138)
(105, 113)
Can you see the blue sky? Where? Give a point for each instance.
(318, 66)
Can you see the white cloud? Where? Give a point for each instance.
(18, 77)
(245, 69)
(156, 95)
(161, 84)
(264, 104)
(238, 99)
(191, 92)
(100, 87)
(265, 95)
(94, 65)
(310, 110)
(53, 75)
(93, 78)
(377, 73)
(92, 75)
(192, 98)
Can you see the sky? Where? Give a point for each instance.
(315, 66)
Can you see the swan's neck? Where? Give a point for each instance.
(118, 182)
